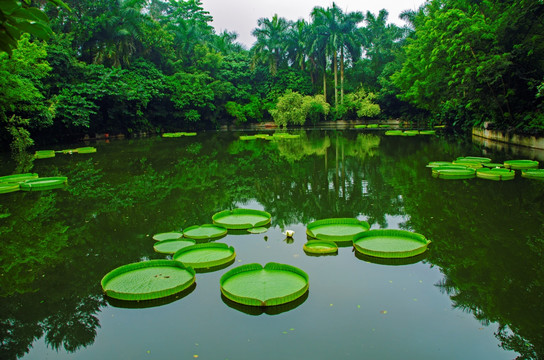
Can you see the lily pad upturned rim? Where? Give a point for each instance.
(521, 164)
(159, 292)
(388, 251)
(495, 174)
(271, 270)
(44, 183)
(162, 246)
(320, 247)
(229, 255)
(171, 235)
(218, 218)
(533, 174)
(205, 231)
(338, 222)
(477, 159)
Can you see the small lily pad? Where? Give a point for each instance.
(207, 255)
(167, 236)
(172, 246)
(258, 230)
(206, 231)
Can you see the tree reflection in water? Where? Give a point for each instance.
(56, 245)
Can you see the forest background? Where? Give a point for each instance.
(80, 67)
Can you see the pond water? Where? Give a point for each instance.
(477, 293)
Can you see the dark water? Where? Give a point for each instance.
(476, 294)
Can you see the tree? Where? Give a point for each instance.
(271, 45)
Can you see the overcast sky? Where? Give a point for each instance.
(241, 16)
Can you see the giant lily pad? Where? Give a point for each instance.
(391, 243)
(17, 178)
(86, 150)
(454, 173)
(241, 218)
(533, 174)
(172, 246)
(167, 236)
(206, 231)
(44, 154)
(336, 229)
(495, 174)
(207, 255)
(320, 247)
(521, 164)
(8, 187)
(274, 284)
(45, 183)
(147, 280)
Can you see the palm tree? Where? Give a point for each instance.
(298, 43)
(271, 44)
(351, 42)
(328, 38)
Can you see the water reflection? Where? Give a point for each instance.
(269, 310)
(488, 237)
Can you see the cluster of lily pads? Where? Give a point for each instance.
(250, 284)
(371, 126)
(45, 154)
(270, 137)
(379, 243)
(178, 134)
(469, 167)
(30, 182)
(409, 132)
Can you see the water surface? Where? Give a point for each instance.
(476, 294)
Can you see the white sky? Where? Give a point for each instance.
(241, 16)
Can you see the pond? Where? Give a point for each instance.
(476, 293)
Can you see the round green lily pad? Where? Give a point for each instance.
(275, 284)
(453, 173)
(17, 178)
(320, 247)
(167, 236)
(495, 174)
(206, 231)
(8, 188)
(394, 133)
(434, 164)
(44, 154)
(45, 183)
(410, 132)
(521, 164)
(391, 243)
(257, 230)
(205, 255)
(477, 159)
(86, 150)
(336, 229)
(533, 174)
(147, 280)
(241, 218)
(427, 132)
(172, 246)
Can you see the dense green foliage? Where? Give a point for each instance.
(131, 66)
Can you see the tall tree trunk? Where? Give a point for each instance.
(325, 80)
(335, 64)
(342, 75)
